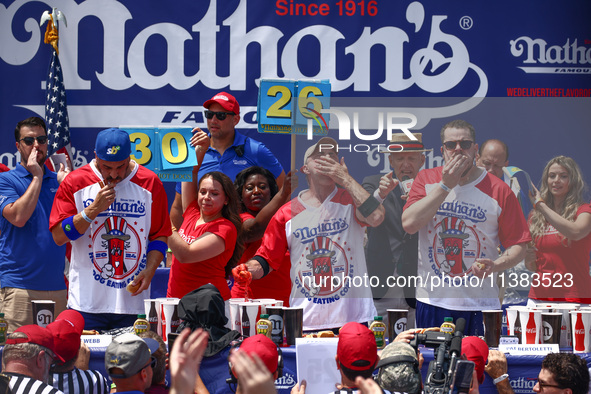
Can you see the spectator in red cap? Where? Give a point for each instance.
(255, 364)
(476, 350)
(73, 372)
(229, 152)
(357, 354)
(27, 356)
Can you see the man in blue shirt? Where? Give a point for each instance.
(31, 264)
(229, 152)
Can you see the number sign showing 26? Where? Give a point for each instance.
(166, 151)
(285, 106)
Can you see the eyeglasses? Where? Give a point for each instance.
(464, 144)
(41, 140)
(152, 363)
(219, 115)
(544, 385)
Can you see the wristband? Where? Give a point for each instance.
(264, 264)
(85, 216)
(69, 229)
(538, 200)
(376, 194)
(500, 378)
(158, 245)
(444, 187)
(368, 206)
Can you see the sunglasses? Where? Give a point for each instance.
(151, 364)
(41, 140)
(451, 145)
(219, 115)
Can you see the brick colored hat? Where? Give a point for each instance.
(38, 335)
(357, 349)
(476, 350)
(263, 347)
(67, 330)
(226, 100)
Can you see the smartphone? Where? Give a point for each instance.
(462, 379)
(171, 338)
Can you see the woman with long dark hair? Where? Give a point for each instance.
(208, 244)
(560, 226)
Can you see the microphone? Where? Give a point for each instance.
(456, 341)
(406, 183)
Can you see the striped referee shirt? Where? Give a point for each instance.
(79, 381)
(21, 384)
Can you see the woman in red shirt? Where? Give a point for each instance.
(260, 199)
(560, 226)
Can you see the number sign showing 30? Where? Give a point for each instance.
(165, 151)
(285, 106)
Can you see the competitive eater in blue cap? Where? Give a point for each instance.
(114, 212)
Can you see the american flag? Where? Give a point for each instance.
(56, 110)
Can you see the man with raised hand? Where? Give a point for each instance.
(322, 228)
(115, 214)
(31, 264)
(462, 214)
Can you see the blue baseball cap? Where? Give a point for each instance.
(112, 145)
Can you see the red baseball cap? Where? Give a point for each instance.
(263, 347)
(38, 335)
(476, 350)
(357, 349)
(67, 330)
(226, 100)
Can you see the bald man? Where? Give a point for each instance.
(493, 155)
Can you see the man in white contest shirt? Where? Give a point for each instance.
(462, 214)
(322, 229)
(115, 214)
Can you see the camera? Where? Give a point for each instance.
(443, 370)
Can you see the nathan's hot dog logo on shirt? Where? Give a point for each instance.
(321, 270)
(116, 252)
(456, 247)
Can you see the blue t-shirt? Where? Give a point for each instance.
(244, 152)
(29, 258)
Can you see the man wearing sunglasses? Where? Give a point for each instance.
(462, 214)
(129, 362)
(31, 264)
(229, 152)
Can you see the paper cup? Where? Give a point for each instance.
(170, 320)
(276, 318)
(531, 326)
(294, 323)
(248, 318)
(551, 327)
(493, 323)
(159, 302)
(267, 302)
(397, 322)
(43, 312)
(581, 324)
(565, 327)
(235, 313)
(513, 322)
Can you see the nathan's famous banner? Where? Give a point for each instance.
(519, 71)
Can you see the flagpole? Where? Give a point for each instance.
(56, 110)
